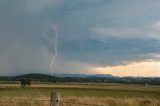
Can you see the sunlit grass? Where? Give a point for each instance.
(79, 101)
(94, 94)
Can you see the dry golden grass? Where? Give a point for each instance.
(87, 86)
(110, 101)
(80, 95)
(79, 101)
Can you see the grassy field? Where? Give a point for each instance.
(79, 94)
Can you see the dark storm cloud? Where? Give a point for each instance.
(91, 32)
(111, 52)
(20, 35)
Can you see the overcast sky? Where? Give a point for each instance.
(119, 37)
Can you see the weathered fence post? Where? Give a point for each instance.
(55, 98)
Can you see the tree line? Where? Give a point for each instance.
(48, 78)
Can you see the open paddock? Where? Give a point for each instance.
(91, 93)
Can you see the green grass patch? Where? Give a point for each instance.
(36, 92)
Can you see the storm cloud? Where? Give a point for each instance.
(91, 33)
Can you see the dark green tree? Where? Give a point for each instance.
(25, 82)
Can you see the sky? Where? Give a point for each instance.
(118, 37)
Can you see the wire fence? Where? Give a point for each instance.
(48, 100)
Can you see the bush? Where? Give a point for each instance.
(25, 82)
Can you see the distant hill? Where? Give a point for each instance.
(83, 75)
(56, 77)
(103, 75)
(71, 75)
(36, 77)
(98, 78)
(59, 77)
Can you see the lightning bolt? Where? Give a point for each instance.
(55, 49)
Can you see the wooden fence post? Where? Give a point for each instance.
(55, 99)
